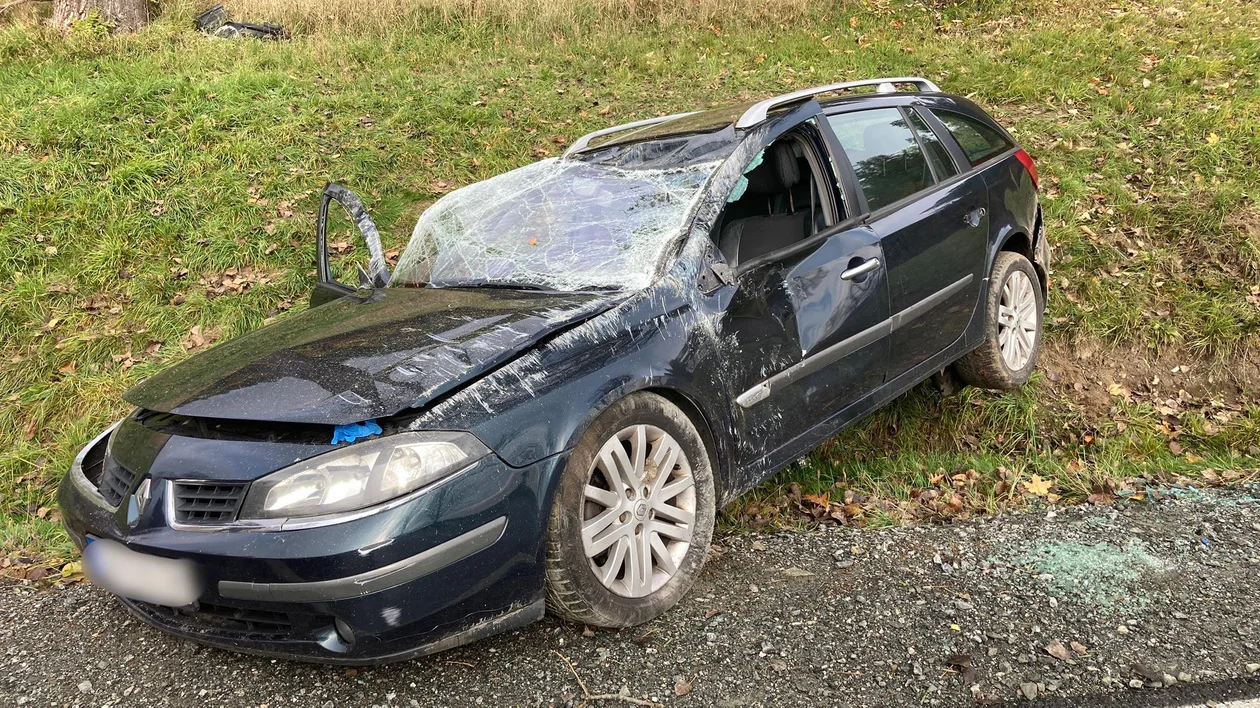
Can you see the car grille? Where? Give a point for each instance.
(207, 502)
(115, 482)
(221, 619)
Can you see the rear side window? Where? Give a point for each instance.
(978, 141)
(936, 150)
(886, 157)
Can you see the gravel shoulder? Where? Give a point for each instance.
(1151, 603)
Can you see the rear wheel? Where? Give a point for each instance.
(1012, 332)
(632, 517)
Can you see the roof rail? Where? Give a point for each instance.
(758, 112)
(580, 144)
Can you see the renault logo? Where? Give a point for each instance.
(139, 500)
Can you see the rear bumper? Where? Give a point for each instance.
(457, 563)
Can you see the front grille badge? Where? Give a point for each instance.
(138, 501)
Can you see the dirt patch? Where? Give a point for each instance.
(1090, 374)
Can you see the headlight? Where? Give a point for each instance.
(361, 475)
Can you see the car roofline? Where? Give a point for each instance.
(758, 112)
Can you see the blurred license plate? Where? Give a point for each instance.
(140, 576)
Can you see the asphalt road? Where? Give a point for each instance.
(1145, 604)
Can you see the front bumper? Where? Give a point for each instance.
(458, 562)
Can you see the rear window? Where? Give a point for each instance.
(885, 156)
(978, 141)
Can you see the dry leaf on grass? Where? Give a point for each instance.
(1038, 486)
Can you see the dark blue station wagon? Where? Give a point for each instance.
(571, 368)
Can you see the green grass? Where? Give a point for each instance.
(136, 173)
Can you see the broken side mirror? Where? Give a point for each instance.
(375, 275)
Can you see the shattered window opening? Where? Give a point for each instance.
(605, 221)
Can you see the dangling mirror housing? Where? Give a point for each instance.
(377, 273)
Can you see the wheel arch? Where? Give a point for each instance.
(697, 417)
(1016, 241)
(717, 446)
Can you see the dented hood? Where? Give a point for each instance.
(353, 359)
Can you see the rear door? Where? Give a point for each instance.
(932, 220)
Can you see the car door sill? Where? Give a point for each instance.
(845, 347)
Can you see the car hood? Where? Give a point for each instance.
(354, 358)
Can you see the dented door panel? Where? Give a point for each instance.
(829, 307)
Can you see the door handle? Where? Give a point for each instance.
(974, 216)
(862, 268)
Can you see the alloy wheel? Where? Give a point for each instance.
(1017, 320)
(639, 511)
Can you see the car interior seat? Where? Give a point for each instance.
(780, 223)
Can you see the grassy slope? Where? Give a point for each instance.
(155, 184)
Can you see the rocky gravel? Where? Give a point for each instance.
(1148, 603)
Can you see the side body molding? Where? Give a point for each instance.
(841, 349)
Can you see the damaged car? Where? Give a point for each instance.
(571, 368)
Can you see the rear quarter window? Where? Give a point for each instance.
(977, 140)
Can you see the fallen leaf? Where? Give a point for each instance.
(1079, 648)
(1058, 651)
(797, 573)
(1038, 486)
(682, 688)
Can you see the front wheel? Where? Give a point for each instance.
(632, 517)
(1012, 331)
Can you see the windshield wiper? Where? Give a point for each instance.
(499, 285)
(533, 287)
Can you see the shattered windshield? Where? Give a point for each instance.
(604, 222)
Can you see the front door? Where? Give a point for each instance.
(803, 335)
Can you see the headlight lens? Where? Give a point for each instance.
(361, 475)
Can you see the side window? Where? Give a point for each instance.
(977, 140)
(783, 198)
(937, 153)
(886, 157)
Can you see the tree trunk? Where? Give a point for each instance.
(123, 15)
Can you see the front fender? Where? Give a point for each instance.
(541, 403)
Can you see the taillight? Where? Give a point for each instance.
(1027, 161)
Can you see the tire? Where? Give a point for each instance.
(989, 365)
(620, 596)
